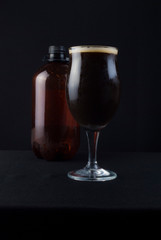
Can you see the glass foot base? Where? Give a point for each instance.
(93, 175)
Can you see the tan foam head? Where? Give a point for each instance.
(93, 48)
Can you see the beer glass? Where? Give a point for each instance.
(93, 93)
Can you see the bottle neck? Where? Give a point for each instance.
(57, 56)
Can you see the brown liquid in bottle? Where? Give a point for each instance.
(55, 133)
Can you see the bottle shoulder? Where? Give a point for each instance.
(52, 69)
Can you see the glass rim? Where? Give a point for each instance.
(93, 48)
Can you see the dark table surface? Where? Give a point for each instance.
(35, 191)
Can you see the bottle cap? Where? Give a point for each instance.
(57, 53)
(56, 49)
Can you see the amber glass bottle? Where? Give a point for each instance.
(55, 133)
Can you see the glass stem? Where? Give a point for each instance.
(92, 138)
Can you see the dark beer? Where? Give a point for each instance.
(93, 85)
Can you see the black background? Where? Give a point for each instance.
(27, 28)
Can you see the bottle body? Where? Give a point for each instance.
(55, 133)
